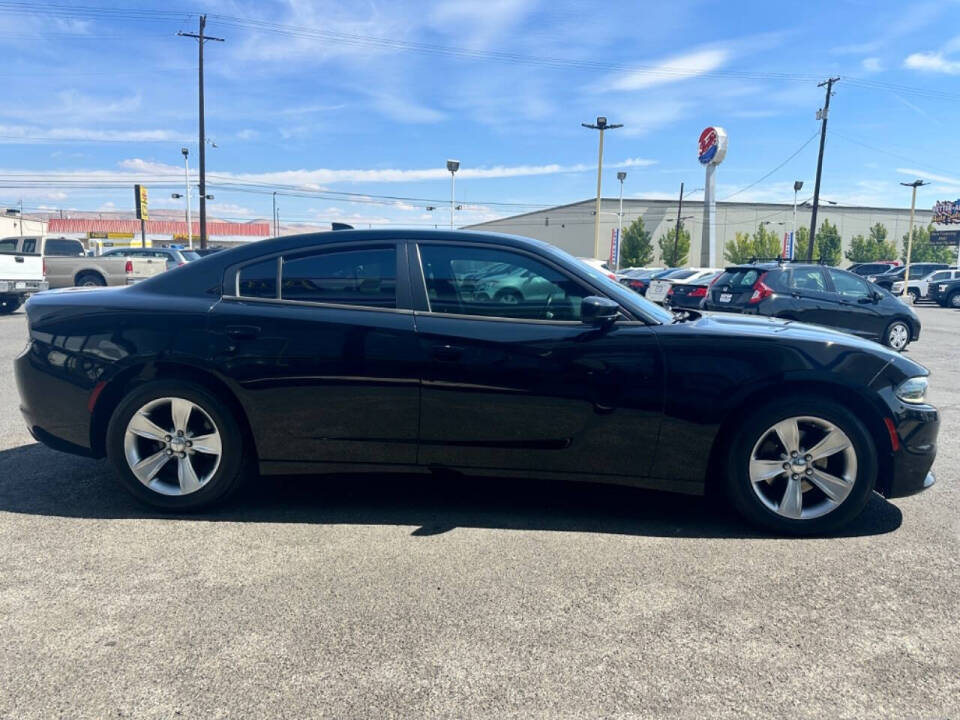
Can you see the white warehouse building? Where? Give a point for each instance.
(570, 227)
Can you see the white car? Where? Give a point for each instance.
(921, 288)
(658, 290)
(600, 265)
(21, 274)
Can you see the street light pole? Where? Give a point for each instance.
(797, 185)
(452, 166)
(601, 125)
(186, 180)
(621, 176)
(913, 204)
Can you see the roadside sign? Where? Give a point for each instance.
(945, 237)
(712, 146)
(140, 198)
(614, 248)
(787, 249)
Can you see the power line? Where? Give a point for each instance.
(765, 176)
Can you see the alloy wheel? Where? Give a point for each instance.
(898, 336)
(803, 467)
(172, 446)
(955, 300)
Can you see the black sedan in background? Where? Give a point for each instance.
(689, 296)
(946, 293)
(818, 295)
(375, 351)
(918, 271)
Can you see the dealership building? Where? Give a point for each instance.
(570, 227)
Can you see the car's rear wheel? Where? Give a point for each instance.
(897, 335)
(914, 293)
(90, 279)
(176, 446)
(10, 303)
(801, 466)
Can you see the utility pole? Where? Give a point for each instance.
(913, 204)
(601, 125)
(822, 116)
(201, 38)
(676, 236)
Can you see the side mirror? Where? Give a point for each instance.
(595, 310)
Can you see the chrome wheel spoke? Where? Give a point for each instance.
(833, 487)
(180, 410)
(835, 441)
(789, 434)
(765, 470)
(187, 476)
(143, 426)
(147, 469)
(207, 444)
(791, 505)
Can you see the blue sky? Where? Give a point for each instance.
(371, 97)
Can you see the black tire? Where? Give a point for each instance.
(740, 487)
(90, 279)
(953, 300)
(10, 304)
(915, 294)
(233, 466)
(888, 335)
(509, 296)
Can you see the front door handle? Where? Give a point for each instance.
(447, 353)
(18, 259)
(243, 332)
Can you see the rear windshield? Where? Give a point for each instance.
(740, 277)
(189, 255)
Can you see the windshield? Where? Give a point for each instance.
(190, 255)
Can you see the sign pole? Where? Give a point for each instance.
(712, 149)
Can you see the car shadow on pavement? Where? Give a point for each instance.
(38, 481)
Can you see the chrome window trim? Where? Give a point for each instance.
(308, 303)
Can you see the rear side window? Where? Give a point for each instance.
(365, 277)
(258, 280)
(809, 279)
(8, 245)
(61, 247)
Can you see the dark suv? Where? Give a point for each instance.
(872, 268)
(818, 295)
(917, 271)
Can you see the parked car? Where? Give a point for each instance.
(637, 279)
(874, 268)
(66, 263)
(191, 379)
(173, 257)
(946, 293)
(641, 284)
(203, 252)
(688, 295)
(920, 289)
(599, 265)
(917, 271)
(660, 287)
(20, 275)
(818, 295)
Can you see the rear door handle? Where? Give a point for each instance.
(447, 353)
(18, 259)
(243, 332)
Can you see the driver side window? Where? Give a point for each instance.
(497, 283)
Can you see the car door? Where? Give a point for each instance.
(320, 345)
(61, 274)
(523, 385)
(812, 300)
(858, 311)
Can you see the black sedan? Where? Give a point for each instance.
(370, 350)
(818, 295)
(945, 293)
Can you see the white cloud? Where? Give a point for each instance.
(669, 70)
(929, 176)
(406, 110)
(27, 133)
(479, 23)
(871, 64)
(247, 134)
(932, 62)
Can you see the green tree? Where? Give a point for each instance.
(923, 251)
(666, 242)
(803, 243)
(740, 249)
(766, 243)
(886, 249)
(636, 248)
(828, 242)
(873, 247)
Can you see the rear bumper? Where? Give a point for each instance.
(22, 287)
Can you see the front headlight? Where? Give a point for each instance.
(913, 390)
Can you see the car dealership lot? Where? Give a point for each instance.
(454, 597)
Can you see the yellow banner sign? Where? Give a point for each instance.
(140, 197)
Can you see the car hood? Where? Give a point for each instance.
(764, 327)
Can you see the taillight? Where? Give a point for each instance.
(638, 284)
(611, 276)
(670, 291)
(761, 291)
(128, 267)
(698, 292)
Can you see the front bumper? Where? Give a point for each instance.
(916, 429)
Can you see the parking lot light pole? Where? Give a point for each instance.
(452, 166)
(913, 204)
(600, 125)
(621, 176)
(797, 186)
(186, 178)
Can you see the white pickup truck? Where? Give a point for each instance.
(65, 263)
(20, 275)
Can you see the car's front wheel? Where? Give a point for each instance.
(801, 466)
(10, 303)
(897, 335)
(176, 446)
(954, 300)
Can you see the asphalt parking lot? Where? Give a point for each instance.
(412, 597)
